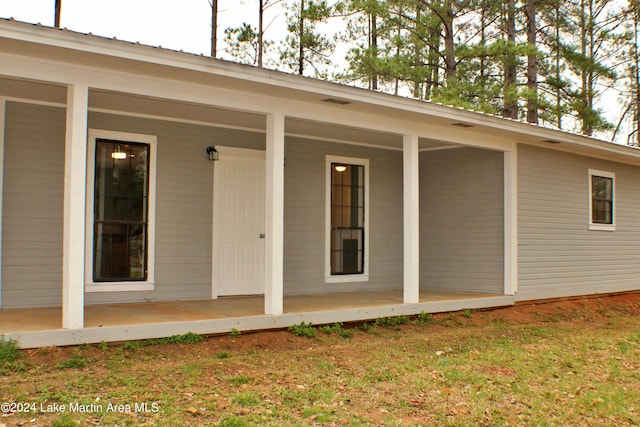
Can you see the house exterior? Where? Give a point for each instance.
(109, 197)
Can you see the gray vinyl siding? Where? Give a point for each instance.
(32, 205)
(462, 220)
(558, 255)
(304, 229)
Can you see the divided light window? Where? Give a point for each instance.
(120, 220)
(602, 200)
(347, 219)
(602, 215)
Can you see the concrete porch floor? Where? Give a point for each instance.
(34, 327)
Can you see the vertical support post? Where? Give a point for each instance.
(2, 134)
(274, 215)
(511, 220)
(75, 178)
(411, 203)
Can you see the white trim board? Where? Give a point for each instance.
(510, 199)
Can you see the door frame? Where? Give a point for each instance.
(225, 151)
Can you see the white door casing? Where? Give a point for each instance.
(238, 222)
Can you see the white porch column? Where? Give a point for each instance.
(411, 196)
(75, 178)
(274, 215)
(511, 220)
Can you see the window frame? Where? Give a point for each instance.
(596, 225)
(120, 286)
(345, 278)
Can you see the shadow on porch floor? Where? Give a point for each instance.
(16, 320)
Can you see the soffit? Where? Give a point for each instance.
(160, 108)
(35, 91)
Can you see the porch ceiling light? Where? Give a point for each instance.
(118, 154)
(213, 153)
(340, 168)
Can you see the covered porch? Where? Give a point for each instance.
(56, 112)
(37, 327)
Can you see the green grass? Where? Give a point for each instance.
(239, 379)
(246, 398)
(337, 329)
(391, 322)
(436, 370)
(303, 330)
(424, 318)
(9, 352)
(76, 362)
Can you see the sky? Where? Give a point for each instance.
(173, 24)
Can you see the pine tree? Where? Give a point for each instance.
(532, 62)
(244, 45)
(304, 45)
(594, 23)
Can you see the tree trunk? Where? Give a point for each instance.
(558, 75)
(417, 85)
(636, 73)
(483, 37)
(214, 27)
(373, 34)
(301, 47)
(260, 32)
(532, 64)
(510, 107)
(58, 11)
(449, 43)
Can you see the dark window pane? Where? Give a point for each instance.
(601, 200)
(120, 211)
(347, 219)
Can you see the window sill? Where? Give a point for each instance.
(347, 278)
(118, 287)
(602, 227)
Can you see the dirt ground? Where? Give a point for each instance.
(524, 313)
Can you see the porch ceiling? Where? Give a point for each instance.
(182, 111)
(34, 91)
(100, 100)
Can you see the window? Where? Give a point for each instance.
(121, 193)
(347, 201)
(601, 200)
(120, 214)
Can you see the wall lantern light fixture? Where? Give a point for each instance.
(213, 153)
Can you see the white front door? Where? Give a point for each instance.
(238, 222)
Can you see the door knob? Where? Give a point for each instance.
(262, 235)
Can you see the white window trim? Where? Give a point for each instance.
(597, 226)
(147, 285)
(345, 278)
